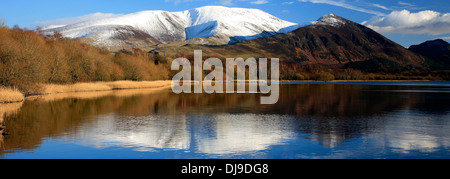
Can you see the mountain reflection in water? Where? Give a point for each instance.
(309, 121)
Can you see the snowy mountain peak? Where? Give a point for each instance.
(330, 19)
(222, 24)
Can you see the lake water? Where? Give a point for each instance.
(310, 120)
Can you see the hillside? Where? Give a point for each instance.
(330, 42)
(437, 53)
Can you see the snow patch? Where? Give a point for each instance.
(331, 20)
(220, 22)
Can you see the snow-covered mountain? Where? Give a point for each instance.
(221, 24)
(330, 19)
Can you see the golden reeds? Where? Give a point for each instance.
(103, 86)
(10, 95)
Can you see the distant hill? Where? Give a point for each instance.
(437, 53)
(330, 42)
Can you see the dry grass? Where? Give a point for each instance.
(92, 95)
(68, 95)
(103, 86)
(77, 87)
(138, 85)
(8, 95)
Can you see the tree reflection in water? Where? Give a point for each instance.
(228, 123)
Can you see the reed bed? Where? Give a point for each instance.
(138, 84)
(103, 86)
(77, 87)
(10, 95)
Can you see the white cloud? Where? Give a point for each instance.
(408, 6)
(73, 20)
(222, 2)
(288, 3)
(344, 4)
(259, 2)
(380, 6)
(226, 2)
(178, 1)
(405, 3)
(423, 22)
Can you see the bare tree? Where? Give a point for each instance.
(2, 22)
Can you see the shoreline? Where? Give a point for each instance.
(10, 95)
(102, 86)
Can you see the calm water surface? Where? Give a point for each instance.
(311, 120)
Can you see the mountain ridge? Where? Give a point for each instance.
(216, 22)
(329, 42)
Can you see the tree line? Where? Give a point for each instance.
(29, 58)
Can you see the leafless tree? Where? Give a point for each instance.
(2, 22)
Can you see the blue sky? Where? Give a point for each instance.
(405, 22)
